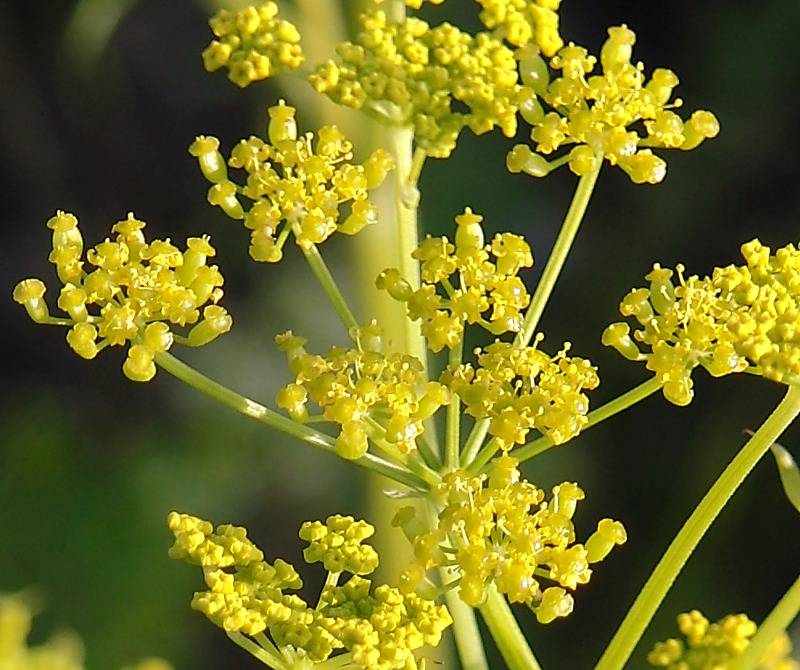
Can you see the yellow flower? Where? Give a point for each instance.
(740, 318)
(130, 292)
(596, 114)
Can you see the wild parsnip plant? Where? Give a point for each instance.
(447, 425)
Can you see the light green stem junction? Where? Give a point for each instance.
(661, 579)
(566, 236)
(508, 637)
(776, 623)
(328, 283)
(271, 661)
(254, 410)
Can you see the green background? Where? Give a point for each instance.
(99, 102)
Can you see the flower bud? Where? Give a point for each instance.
(469, 232)
(223, 194)
(533, 70)
(72, 300)
(377, 166)
(139, 365)
(617, 49)
(617, 335)
(352, 441)
(608, 534)
(522, 159)
(82, 339)
(29, 293)
(216, 321)
(530, 108)
(212, 164)
(282, 125)
(390, 280)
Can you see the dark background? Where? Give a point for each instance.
(95, 118)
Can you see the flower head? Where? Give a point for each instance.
(371, 395)
(129, 291)
(297, 185)
(499, 529)
(253, 44)
(740, 318)
(524, 389)
(358, 626)
(717, 645)
(436, 80)
(601, 114)
(466, 282)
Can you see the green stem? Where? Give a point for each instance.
(453, 420)
(661, 579)
(465, 625)
(776, 623)
(569, 229)
(406, 204)
(474, 441)
(465, 630)
(261, 654)
(602, 413)
(254, 410)
(506, 633)
(326, 280)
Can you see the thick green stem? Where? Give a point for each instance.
(465, 626)
(326, 280)
(569, 229)
(254, 410)
(776, 623)
(506, 633)
(661, 579)
(466, 632)
(602, 413)
(406, 204)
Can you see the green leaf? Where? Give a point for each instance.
(789, 472)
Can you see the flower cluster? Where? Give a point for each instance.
(246, 595)
(369, 394)
(297, 184)
(477, 283)
(143, 290)
(595, 112)
(740, 318)
(63, 651)
(498, 529)
(435, 79)
(524, 389)
(337, 544)
(253, 44)
(717, 645)
(522, 22)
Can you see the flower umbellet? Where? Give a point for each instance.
(449, 427)
(499, 528)
(740, 319)
(148, 295)
(596, 114)
(353, 625)
(297, 184)
(717, 645)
